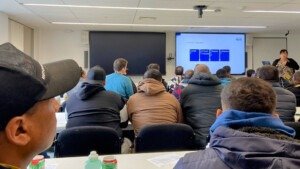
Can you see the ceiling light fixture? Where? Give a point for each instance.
(113, 7)
(152, 25)
(263, 11)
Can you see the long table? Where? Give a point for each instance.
(125, 161)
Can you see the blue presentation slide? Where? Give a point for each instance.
(214, 50)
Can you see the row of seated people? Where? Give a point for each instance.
(94, 104)
(246, 134)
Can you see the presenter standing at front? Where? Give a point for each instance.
(286, 66)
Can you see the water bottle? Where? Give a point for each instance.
(93, 162)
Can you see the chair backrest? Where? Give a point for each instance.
(164, 137)
(296, 127)
(80, 141)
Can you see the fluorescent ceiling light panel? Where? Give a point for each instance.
(263, 11)
(151, 25)
(113, 7)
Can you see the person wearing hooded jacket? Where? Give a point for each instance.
(286, 100)
(92, 105)
(152, 104)
(199, 102)
(247, 133)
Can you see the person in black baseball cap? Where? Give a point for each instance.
(27, 107)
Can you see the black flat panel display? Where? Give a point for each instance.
(139, 48)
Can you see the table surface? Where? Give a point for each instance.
(125, 161)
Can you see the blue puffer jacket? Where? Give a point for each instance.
(234, 149)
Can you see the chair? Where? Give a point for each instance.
(296, 127)
(164, 137)
(80, 141)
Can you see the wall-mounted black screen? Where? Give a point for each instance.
(139, 48)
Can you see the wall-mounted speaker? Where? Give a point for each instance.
(86, 59)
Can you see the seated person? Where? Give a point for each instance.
(92, 105)
(250, 73)
(117, 81)
(176, 79)
(247, 132)
(186, 77)
(199, 101)
(179, 87)
(296, 87)
(157, 67)
(286, 100)
(228, 70)
(27, 118)
(152, 104)
(222, 75)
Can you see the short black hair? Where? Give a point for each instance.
(283, 51)
(227, 68)
(221, 73)
(179, 70)
(250, 72)
(268, 73)
(154, 74)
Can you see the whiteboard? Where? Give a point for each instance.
(267, 49)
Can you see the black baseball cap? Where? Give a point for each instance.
(24, 81)
(96, 75)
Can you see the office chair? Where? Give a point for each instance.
(164, 137)
(80, 141)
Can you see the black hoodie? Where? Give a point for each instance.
(92, 105)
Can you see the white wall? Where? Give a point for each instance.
(293, 41)
(3, 28)
(53, 45)
(16, 35)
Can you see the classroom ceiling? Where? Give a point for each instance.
(221, 15)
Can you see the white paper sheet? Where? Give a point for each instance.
(164, 160)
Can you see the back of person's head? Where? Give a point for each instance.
(268, 73)
(201, 68)
(119, 64)
(249, 95)
(188, 74)
(228, 69)
(154, 74)
(250, 73)
(296, 77)
(96, 73)
(179, 70)
(153, 66)
(221, 73)
(283, 51)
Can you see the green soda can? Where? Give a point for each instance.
(109, 162)
(38, 162)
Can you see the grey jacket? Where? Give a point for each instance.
(286, 103)
(233, 149)
(199, 102)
